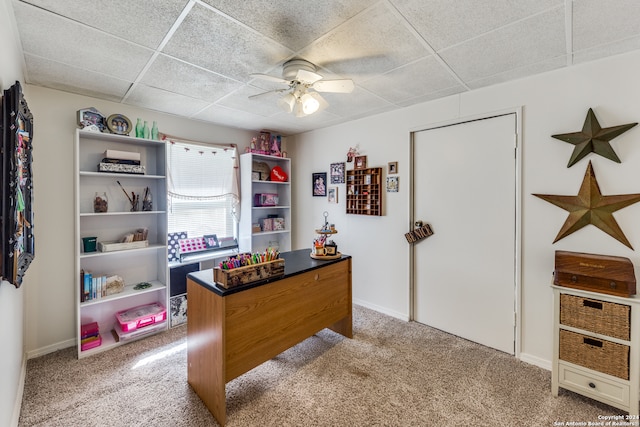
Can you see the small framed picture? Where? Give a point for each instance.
(90, 116)
(333, 194)
(360, 162)
(319, 184)
(255, 176)
(393, 168)
(119, 124)
(392, 184)
(211, 241)
(337, 173)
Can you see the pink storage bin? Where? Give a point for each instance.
(141, 316)
(90, 343)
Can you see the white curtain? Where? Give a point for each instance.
(203, 171)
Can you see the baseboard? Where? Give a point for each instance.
(17, 406)
(383, 310)
(534, 360)
(51, 348)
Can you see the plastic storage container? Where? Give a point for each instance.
(141, 316)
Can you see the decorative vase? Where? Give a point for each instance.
(145, 130)
(154, 131)
(147, 201)
(100, 203)
(139, 129)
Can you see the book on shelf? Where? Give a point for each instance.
(124, 155)
(92, 287)
(120, 161)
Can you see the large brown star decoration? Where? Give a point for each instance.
(593, 138)
(591, 207)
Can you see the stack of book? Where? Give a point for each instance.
(92, 287)
(116, 161)
(90, 336)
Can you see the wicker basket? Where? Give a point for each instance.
(601, 317)
(592, 353)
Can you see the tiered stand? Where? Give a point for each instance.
(325, 231)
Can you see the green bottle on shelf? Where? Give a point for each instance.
(145, 130)
(154, 131)
(139, 129)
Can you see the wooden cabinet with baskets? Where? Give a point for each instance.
(596, 349)
(364, 191)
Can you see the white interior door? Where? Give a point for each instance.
(465, 188)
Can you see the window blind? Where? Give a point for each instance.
(203, 188)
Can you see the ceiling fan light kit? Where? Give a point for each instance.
(302, 97)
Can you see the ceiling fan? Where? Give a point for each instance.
(302, 97)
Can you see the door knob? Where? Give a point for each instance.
(418, 224)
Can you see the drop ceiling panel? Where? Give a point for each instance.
(169, 74)
(444, 23)
(373, 42)
(53, 37)
(211, 41)
(533, 40)
(601, 22)
(167, 102)
(419, 78)
(54, 75)
(143, 22)
(292, 23)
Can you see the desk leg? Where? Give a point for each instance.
(344, 326)
(205, 349)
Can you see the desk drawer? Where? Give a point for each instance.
(592, 385)
(601, 317)
(596, 354)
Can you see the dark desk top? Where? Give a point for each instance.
(295, 262)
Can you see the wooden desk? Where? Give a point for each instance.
(230, 332)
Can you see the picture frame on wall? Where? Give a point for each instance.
(360, 162)
(337, 172)
(392, 184)
(319, 182)
(392, 168)
(332, 194)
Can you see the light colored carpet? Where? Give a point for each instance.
(392, 373)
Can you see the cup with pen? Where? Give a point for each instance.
(134, 199)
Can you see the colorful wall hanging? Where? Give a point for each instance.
(590, 206)
(593, 138)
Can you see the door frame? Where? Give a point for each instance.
(518, 210)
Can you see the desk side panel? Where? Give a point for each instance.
(205, 348)
(264, 321)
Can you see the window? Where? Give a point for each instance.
(203, 196)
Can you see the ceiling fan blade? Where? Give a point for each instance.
(338, 86)
(270, 78)
(259, 95)
(308, 77)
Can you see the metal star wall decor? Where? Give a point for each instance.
(591, 207)
(593, 138)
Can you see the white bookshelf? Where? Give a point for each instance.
(258, 241)
(147, 264)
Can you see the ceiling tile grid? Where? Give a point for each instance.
(194, 58)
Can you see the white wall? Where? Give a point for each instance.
(11, 299)
(555, 102)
